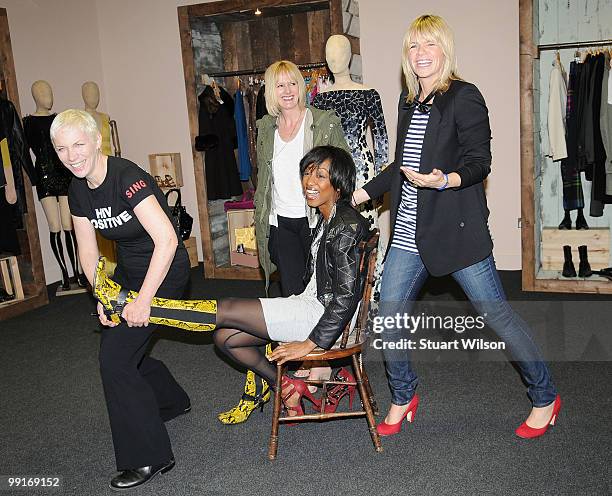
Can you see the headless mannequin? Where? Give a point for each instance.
(338, 56)
(56, 208)
(91, 97)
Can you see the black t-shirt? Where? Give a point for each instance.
(110, 209)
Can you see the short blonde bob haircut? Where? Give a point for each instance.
(431, 28)
(75, 119)
(272, 76)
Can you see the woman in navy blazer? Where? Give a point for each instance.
(439, 220)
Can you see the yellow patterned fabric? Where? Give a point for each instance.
(6, 156)
(189, 315)
(105, 131)
(250, 400)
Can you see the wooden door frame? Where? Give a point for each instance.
(528, 53)
(185, 13)
(35, 291)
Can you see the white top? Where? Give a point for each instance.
(557, 102)
(404, 234)
(287, 195)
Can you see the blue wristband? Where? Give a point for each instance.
(444, 186)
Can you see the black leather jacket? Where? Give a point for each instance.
(339, 282)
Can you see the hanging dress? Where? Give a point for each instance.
(358, 110)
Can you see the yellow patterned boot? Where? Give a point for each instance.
(250, 400)
(190, 315)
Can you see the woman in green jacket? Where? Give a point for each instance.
(282, 218)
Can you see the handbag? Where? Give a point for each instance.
(182, 219)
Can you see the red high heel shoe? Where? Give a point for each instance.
(527, 432)
(385, 429)
(339, 391)
(301, 388)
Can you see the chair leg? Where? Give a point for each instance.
(366, 382)
(273, 443)
(367, 406)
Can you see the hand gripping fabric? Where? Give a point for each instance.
(189, 315)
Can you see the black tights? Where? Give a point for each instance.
(240, 334)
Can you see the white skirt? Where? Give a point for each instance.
(292, 318)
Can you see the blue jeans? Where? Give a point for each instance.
(403, 277)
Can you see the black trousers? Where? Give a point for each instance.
(140, 392)
(289, 244)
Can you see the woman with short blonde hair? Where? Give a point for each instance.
(122, 202)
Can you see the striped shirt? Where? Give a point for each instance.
(405, 223)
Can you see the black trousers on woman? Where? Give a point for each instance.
(140, 392)
(289, 245)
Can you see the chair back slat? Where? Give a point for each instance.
(367, 265)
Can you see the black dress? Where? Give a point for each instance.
(11, 131)
(52, 178)
(217, 138)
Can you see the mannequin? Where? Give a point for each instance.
(358, 107)
(15, 161)
(52, 183)
(91, 97)
(338, 56)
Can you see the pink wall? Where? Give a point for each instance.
(132, 49)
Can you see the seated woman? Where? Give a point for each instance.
(317, 316)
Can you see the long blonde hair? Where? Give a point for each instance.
(430, 27)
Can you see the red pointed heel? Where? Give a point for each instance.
(526, 432)
(385, 429)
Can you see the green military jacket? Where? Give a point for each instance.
(322, 127)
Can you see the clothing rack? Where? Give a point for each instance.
(249, 72)
(576, 44)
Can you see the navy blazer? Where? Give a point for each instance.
(452, 225)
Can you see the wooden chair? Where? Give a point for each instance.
(350, 344)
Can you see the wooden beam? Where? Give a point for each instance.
(301, 39)
(287, 48)
(316, 33)
(36, 293)
(231, 6)
(355, 44)
(335, 17)
(528, 225)
(198, 163)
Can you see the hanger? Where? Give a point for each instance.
(217, 91)
(206, 80)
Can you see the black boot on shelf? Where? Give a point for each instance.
(581, 222)
(566, 223)
(584, 268)
(568, 266)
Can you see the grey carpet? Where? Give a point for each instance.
(53, 420)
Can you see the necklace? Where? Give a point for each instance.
(285, 143)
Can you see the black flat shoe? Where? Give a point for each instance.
(139, 476)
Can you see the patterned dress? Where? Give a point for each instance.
(358, 110)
